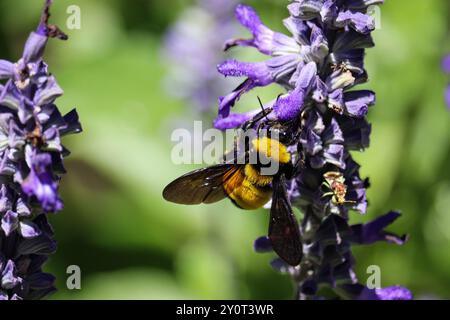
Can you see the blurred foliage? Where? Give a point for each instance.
(130, 244)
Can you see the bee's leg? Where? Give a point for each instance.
(328, 194)
(326, 185)
(289, 171)
(299, 164)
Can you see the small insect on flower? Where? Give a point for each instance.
(35, 138)
(335, 182)
(248, 188)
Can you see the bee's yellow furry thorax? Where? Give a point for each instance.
(272, 149)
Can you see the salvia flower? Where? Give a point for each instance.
(31, 164)
(318, 65)
(193, 46)
(446, 67)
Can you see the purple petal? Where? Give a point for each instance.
(3, 296)
(22, 209)
(294, 9)
(258, 72)
(39, 281)
(307, 75)
(357, 102)
(48, 93)
(289, 106)
(356, 132)
(329, 11)
(320, 92)
(73, 124)
(262, 245)
(357, 193)
(358, 292)
(52, 139)
(362, 23)
(319, 43)
(34, 47)
(374, 231)
(394, 293)
(333, 133)
(306, 9)
(9, 279)
(234, 120)
(5, 199)
(312, 142)
(29, 229)
(264, 39)
(6, 69)
(334, 154)
(40, 182)
(41, 245)
(10, 222)
(299, 30)
(228, 101)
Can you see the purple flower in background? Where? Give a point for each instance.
(319, 65)
(446, 67)
(193, 47)
(31, 165)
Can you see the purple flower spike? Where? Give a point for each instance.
(193, 47)
(322, 119)
(31, 165)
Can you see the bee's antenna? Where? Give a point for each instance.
(279, 96)
(262, 108)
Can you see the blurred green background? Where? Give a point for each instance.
(130, 244)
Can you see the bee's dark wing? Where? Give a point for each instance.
(200, 186)
(284, 232)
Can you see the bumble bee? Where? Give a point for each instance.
(246, 186)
